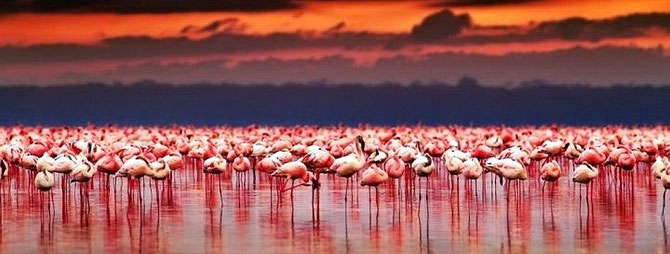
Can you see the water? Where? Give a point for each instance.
(620, 217)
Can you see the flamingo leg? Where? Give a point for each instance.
(346, 192)
(664, 191)
(292, 186)
(221, 191)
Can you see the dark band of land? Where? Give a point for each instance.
(466, 103)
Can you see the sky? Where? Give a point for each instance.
(499, 43)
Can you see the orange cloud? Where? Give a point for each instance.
(379, 17)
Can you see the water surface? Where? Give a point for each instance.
(623, 214)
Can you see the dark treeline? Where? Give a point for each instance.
(466, 103)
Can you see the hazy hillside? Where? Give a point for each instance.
(466, 103)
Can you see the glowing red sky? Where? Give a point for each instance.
(25, 30)
(375, 16)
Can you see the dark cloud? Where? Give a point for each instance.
(622, 26)
(480, 2)
(224, 37)
(228, 25)
(445, 3)
(598, 67)
(336, 28)
(440, 25)
(574, 28)
(142, 6)
(143, 46)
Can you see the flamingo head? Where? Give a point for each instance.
(430, 160)
(361, 142)
(309, 177)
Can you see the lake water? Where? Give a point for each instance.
(623, 214)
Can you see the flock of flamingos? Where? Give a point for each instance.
(289, 158)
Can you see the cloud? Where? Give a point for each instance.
(440, 25)
(225, 36)
(578, 28)
(446, 3)
(598, 67)
(228, 25)
(143, 6)
(336, 28)
(142, 46)
(480, 2)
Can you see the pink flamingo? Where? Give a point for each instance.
(373, 176)
(550, 172)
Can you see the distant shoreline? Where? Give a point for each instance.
(467, 103)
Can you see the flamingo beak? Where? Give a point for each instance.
(315, 183)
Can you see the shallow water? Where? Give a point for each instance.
(623, 215)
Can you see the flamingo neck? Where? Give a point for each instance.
(359, 151)
(594, 169)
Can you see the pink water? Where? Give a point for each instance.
(623, 215)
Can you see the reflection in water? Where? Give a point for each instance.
(192, 212)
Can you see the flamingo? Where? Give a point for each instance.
(572, 150)
(482, 152)
(259, 149)
(584, 174)
(241, 165)
(45, 163)
(394, 167)
(378, 157)
(109, 164)
(214, 165)
(317, 160)
(660, 166)
(37, 148)
(509, 169)
(161, 169)
(665, 180)
(515, 153)
(29, 161)
(159, 150)
(454, 165)
(626, 161)
(44, 180)
(408, 153)
(174, 160)
(268, 164)
(296, 170)
(83, 171)
(349, 165)
(161, 172)
(423, 167)
(472, 170)
(538, 154)
(592, 157)
(553, 147)
(493, 141)
(64, 163)
(550, 172)
(373, 176)
(135, 168)
(4, 169)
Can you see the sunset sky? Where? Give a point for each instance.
(596, 42)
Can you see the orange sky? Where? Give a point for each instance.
(27, 29)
